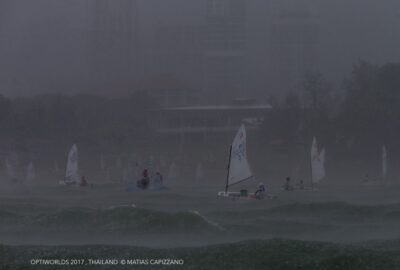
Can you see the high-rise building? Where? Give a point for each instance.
(294, 42)
(224, 50)
(176, 54)
(112, 41)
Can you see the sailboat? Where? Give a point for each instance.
(238, 168)
(72, 171)
(317, 163)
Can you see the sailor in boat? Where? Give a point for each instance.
(259, 194)
(145, 181)
(287, 185)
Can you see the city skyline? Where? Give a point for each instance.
(63, 53)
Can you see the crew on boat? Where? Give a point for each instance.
(259, 194)
(145, 181)
(287, 185)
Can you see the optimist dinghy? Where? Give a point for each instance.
(72, 171)
(239, 169)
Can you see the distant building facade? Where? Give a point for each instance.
(224, 50)
(209, 119)
(175, 57)
(112, 41)
(168, 90)
(293, 42)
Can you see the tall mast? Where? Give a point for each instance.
(229, 165)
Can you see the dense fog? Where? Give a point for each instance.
(225, 134)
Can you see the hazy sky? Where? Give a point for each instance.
(42, 42)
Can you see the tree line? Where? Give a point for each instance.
(76, 118)
(363, 111)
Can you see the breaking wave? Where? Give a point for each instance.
(330, 210)
(120, 219)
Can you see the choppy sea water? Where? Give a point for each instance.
(267, 254)
(295, 231)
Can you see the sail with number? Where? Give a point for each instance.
(317, 162)
(239, 169)
(72, 171)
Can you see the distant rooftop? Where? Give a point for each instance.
(220, 107)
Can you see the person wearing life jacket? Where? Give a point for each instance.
(145, 181)
(287, 186)
(259, 194)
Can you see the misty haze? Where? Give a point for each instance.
(199, 134)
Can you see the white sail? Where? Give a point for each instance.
(239, 169)
(72, 171)
(317, 162)
(384, 162)
(31, 174)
